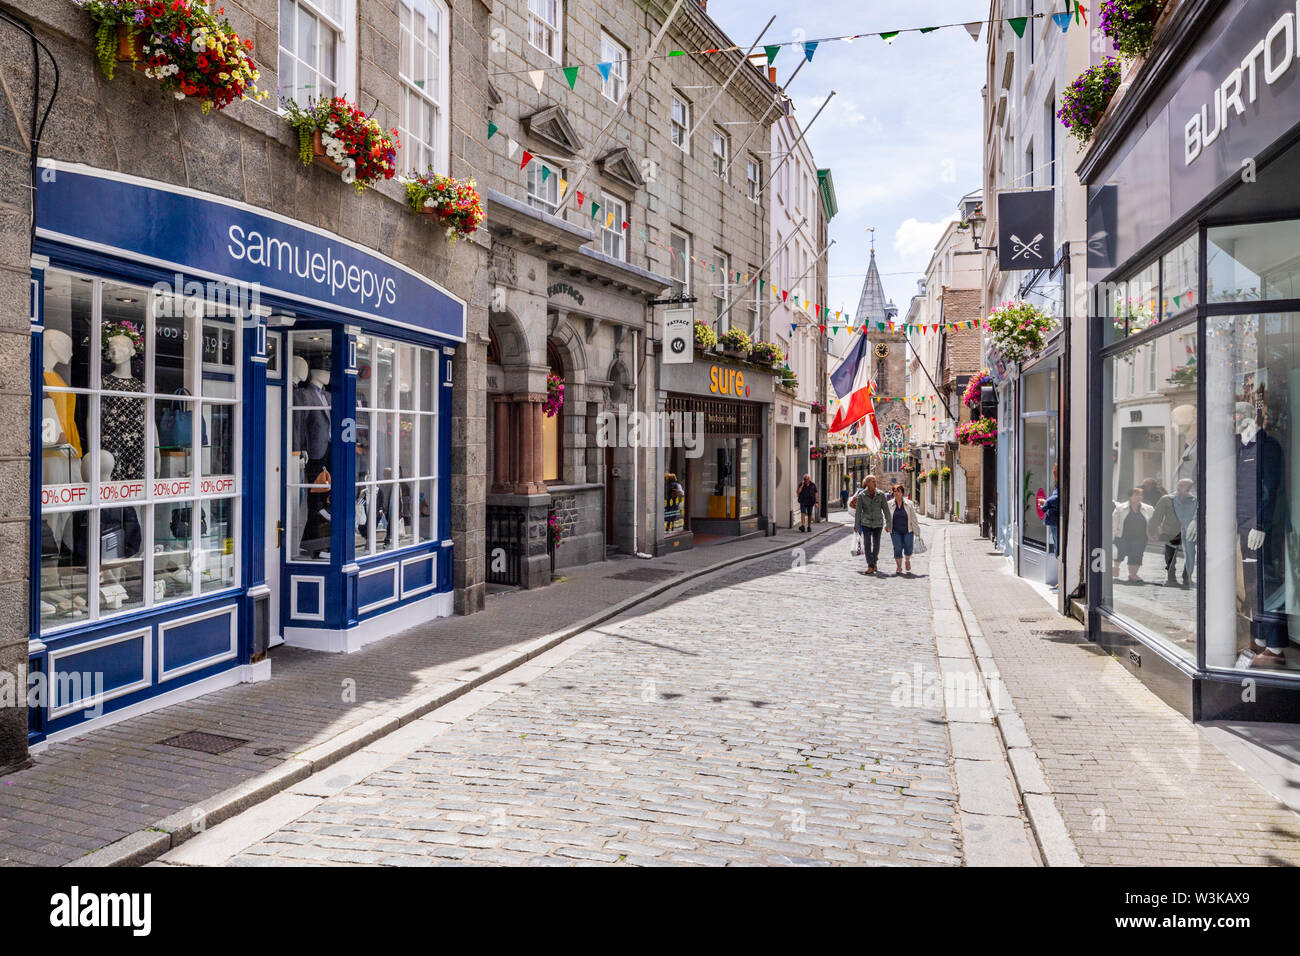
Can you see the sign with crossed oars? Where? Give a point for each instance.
(1029, 212)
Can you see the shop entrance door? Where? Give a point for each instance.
(274, 537)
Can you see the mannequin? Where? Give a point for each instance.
(312, 441)
(60, 407)
(1261, 521)
(121, 419)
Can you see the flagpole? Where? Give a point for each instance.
(790, 151)
(938, 394)
(794, 232)
(599, 141)
(759, 125)
(722, 89)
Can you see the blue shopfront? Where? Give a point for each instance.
(241, 437)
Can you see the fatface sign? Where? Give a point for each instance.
(182, 230)
(679, 332)
(1026, 225)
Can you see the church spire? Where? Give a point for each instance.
(872, 305)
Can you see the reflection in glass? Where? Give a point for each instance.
(713, 480)
(1151, 480)
(65, 595)
(1253, 262)
(67, 340)
(1252, 550)
(123, 337)
(218, 437)
(173, 346)
(216, 559)
(424, 512)
(173, 541)
(1180, 283)
(121, 562)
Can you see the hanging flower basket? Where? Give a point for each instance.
(945, 472)
(455, 203)
(1130, 25)
(1085, 100)
(1018, 329)
(705, 337)
(189, 49)
(342, 138)
(922, 478)
(817, 408)
(971, 397)
(554, 395)
(982, 431)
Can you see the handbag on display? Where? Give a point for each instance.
(180, 523)
(176, 428)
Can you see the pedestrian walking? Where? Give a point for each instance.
(1128, 531)
(1050, 506)
(869, 514)
(807, 496)
(844, 495)
(903, 528)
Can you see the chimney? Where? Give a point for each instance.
(771, 75)
(704, 5)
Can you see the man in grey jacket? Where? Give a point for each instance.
(870, 512)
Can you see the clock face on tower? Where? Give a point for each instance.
(882, 349)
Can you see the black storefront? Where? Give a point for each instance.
(1194, 385)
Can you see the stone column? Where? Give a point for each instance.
(502, 451)
(539, 442)
(528, 443)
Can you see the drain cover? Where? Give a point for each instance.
(643, 574)
(268, 751)
(203, 742)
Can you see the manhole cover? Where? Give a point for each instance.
(203, 742)
(643, 574)
(267, 751)
(1031, 620)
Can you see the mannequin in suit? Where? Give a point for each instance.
(1261, 533)
(312, 441)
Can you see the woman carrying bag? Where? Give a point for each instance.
(903, 528)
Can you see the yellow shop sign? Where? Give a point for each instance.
(727, 381)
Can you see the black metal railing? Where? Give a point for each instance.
(504, 545)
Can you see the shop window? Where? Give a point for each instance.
(311, 49)
(553, 426)
(139, 449)
(675, 490)
(396, 446)
(1252, 551)
(1038, 398)
(422, 67)
(544, 26)
(1179, 278)
(1255, 262)
(1151, 488)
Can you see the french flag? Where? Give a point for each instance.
(852, 383)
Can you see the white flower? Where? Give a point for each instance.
(179, 95)
(429, 203)
(200, 42)
(350, 172)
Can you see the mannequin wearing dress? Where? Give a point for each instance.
(122, 419)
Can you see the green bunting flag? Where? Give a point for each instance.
(546, 172)
(1018, 24)
(492, 129)
(571, 74)
(595, 207)
(889, 37)
(771, 52)
(928, 29)
(676, 52)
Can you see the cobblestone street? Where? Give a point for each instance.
(690, 731)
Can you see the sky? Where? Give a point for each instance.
(902, 136)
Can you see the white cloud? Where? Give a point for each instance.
(914, 241)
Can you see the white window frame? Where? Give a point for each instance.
(678, 262)
(614, 237)
(753, 178)
(537, 191)
(611, 51)
(344, 29)
(437, 153)
(680, 132)
(722, 291)
(554, 32)
(721, 157)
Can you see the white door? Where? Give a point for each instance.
(274, 493)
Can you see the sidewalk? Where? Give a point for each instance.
(114, 783)
(1136, 782)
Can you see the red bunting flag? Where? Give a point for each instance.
(581, 197)
(528, 158)
(784, 295)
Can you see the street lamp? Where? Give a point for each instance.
(977, 221)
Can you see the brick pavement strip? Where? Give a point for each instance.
(1136, 782)
(693, 730)
(118, 781)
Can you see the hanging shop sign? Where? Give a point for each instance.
(678, 337)
(1026, 225)
(177, 229)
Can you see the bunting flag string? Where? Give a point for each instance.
(808, 47)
